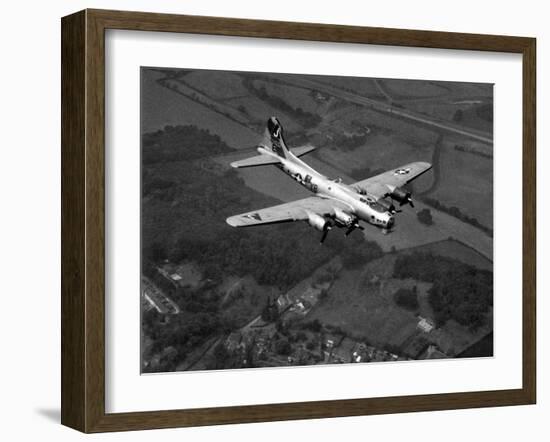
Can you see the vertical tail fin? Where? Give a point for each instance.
(276, 141)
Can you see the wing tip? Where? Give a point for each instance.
(232, 221)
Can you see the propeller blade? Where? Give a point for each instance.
(325, 233)
(408, 201)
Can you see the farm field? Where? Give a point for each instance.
(162, 107)
(457, 250)
(471, 174)
(361, 303)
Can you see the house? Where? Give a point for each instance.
(426, 325)
(233, 341)
(343, 353)
(359, 353)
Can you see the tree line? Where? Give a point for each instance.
(459, 291)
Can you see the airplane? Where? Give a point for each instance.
(333, 203)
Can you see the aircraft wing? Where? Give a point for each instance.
(380, 185)
(294, 211)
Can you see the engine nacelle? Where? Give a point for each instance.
(400, 195)
(343, 218)
(317, 221)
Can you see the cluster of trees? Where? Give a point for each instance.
(407, 298)
(314, 326)
(282, 347)
(455, 211)
(346, 142)
(458, 116)
(306, 119)
(468, 116)
(459, 291)
(177, 143)
(485, 112)
(358, 252)
(425, 217)
(224, 359)
(182, 332)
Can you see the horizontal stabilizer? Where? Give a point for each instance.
(302, 150)
(258, 160)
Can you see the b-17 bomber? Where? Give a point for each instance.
(334, 203)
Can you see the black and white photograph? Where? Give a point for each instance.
(300, 220)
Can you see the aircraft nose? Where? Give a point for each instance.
(391, 222)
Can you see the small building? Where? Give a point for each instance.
(426, 325)
(359, 353)
(343, 353)
(233, 341)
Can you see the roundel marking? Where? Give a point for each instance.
(402, 171)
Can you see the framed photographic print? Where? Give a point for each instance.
(269, 220)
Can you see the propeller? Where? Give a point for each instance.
(353, 226)
(393, 210)
(408, 200)
(325, 232)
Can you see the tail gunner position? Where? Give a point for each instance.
(333, 203)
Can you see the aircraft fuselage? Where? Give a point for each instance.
(360, 206)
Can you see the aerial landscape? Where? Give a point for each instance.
(218, 297)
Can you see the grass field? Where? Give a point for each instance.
(466, 182)
(362, 304)
(364, 308)
(295, 96)
(161, 107)
(217, 84)
(402, 89)
(457, 250)
(364, 87)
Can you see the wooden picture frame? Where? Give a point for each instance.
(83, 219)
